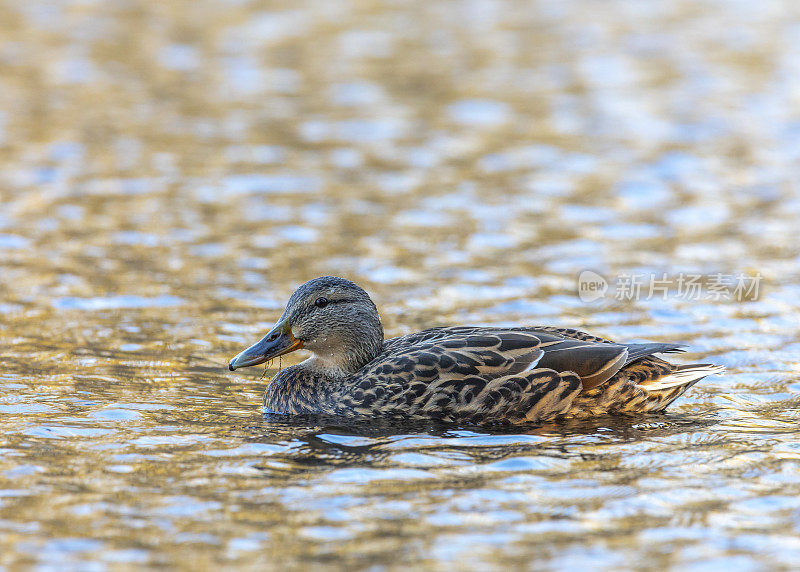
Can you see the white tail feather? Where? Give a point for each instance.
(685, 375)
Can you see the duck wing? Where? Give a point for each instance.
(595, 363)
(458, 352)
(500, 374)
(463, 374)
(593, 358)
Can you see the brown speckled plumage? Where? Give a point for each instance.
(457, 374)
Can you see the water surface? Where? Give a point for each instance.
(169, 172)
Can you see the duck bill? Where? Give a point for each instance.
(277, 342)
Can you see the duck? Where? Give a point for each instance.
(457, 374)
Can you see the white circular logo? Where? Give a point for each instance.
(591, 286)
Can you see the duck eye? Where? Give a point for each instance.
(321, 302)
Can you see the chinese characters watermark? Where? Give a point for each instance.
(683, 286)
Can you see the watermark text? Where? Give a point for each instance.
(634, 286)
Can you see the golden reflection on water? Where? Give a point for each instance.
(169, 172)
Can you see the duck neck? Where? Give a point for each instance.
(337, 366)
(343, 356)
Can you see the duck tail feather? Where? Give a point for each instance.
(639, 351)
(683, 376)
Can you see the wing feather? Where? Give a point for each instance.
(484, 374)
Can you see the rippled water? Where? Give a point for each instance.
(169, 172)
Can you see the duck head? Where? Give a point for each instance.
(332, 318)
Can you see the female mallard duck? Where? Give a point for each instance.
(460, 374)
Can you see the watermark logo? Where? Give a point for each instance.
(591, 286)
(683, 286)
